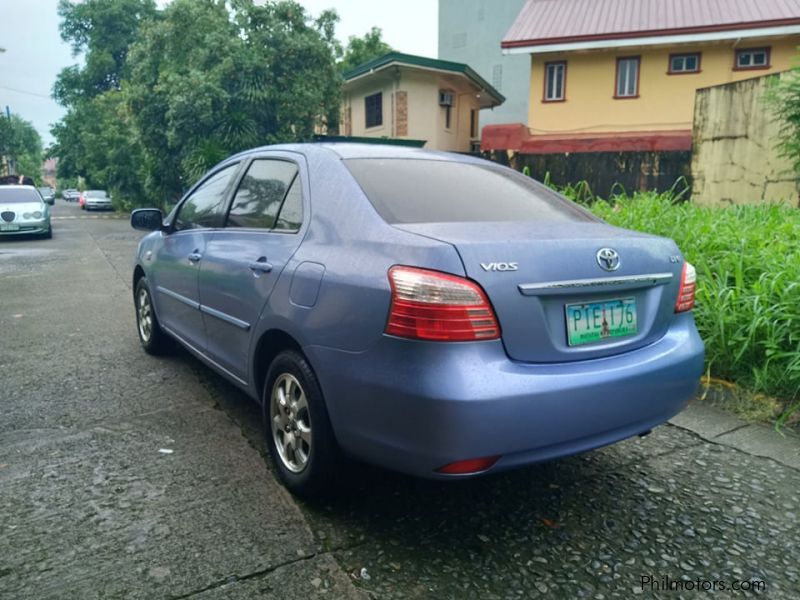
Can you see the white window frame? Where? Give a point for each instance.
(682, 58)
(751, 53)
(555, 89)
(623, 77)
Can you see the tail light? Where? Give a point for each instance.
(686, 291)
(429, 305)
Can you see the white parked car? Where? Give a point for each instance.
(23, 211)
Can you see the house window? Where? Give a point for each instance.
(473, 123)
(447, 116)
(684, 63)
(627, 77)
(555, 81)
(373, 108)
(752, 58)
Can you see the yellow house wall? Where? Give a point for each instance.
(665, 102)
(426, 119)
(354, 99)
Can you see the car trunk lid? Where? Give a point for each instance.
(532, 273)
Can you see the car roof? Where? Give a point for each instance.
(348, 150)
(18, 187)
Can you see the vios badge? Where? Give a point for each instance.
(608, 259)
(499, 266)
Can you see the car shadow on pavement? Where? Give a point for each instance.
(370, 501)
(668, 505)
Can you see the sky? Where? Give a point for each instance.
(35, 53)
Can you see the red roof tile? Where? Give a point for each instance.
(563, 21)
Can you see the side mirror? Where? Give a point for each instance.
(147, 219)
(50, 201)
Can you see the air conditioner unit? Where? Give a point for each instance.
(446, 98)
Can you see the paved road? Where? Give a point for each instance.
(92, 507)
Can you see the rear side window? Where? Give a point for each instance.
(291, 216)
(261, 193)
(434, 191)
(204, 208)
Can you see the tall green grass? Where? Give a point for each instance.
(748, 290)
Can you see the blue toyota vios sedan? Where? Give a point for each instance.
(431, 313)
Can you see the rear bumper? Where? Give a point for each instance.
(415, 406)
(99, 206)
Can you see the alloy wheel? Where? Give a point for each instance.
(291, 422)
(144, 312)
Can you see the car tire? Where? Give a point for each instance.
(48, 235)
(153, 339)
(309, 459)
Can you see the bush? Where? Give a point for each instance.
(748, 291)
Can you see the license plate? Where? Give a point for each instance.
(597, 321)
(9, 227)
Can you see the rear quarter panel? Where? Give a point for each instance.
(356, 248)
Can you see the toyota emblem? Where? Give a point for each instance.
(608, 259)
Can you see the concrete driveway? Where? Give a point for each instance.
(126, 476)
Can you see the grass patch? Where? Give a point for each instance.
(748, 291)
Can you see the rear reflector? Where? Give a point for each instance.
(686, 292)
(429, 305)
(471, 466)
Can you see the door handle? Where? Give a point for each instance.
(261, 265)
(195, 256)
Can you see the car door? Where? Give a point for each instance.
(178, 257)
(244, 259)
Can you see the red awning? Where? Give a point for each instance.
(517, 137)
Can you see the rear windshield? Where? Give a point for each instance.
(434, 191)
(95, 194)
(18, 196)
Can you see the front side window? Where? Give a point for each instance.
(262, 191)
(555, 81)
(627, 77)
(373, 109)
(684, 63)
(205, 207)
(753, 58)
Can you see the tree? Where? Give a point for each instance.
(363, 49)
(101, 30)
(784, 97)
(95, 139)
(164, 94)
(209, 79)
(20, 142)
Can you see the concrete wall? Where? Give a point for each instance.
(470, 31)
(665, 102)
(734, 158)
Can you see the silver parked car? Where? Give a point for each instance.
(49, 194)
(96, 200)
(23, 211)
(70, 195)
